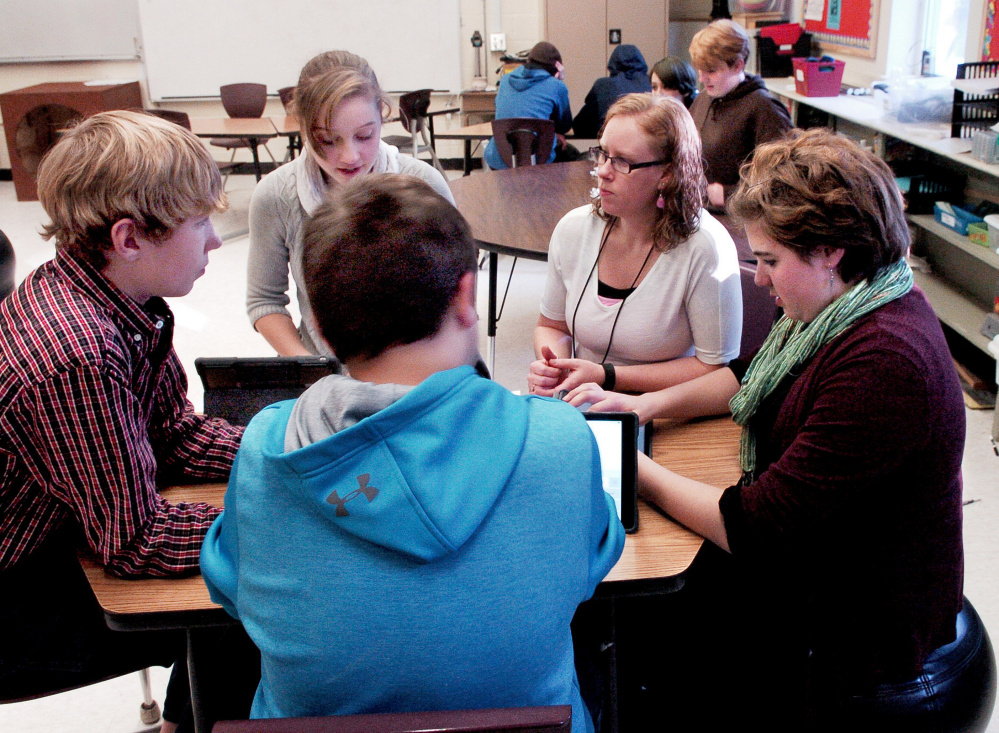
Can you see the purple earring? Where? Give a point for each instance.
(660, 202)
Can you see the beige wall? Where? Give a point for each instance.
(523, 23)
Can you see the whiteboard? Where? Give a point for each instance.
(68, 30)
(192, 47)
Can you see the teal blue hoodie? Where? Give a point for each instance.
(430, 556)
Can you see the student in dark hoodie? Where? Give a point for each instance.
(736, 113)
(535, 90)
(628, 73)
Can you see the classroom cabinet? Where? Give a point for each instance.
(581, 30)
(963, 282)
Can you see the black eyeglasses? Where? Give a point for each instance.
(599, 155)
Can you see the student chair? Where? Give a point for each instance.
(171, 115)
(244, 100)
(759, 310)
(287, 97)
(413, 108)
(7, 262)
(184, 120)
(550, 719)
(522, 140)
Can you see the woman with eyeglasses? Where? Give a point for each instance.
(643, 288)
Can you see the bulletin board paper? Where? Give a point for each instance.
(846, 26)
(990, 43)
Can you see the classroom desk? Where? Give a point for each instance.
(655, 558)
(255, 129)
(479, 131)
(514, 212)
(288, 127)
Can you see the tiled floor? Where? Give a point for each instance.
(211, 321)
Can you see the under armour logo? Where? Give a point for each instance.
(362, 488)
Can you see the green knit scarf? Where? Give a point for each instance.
(791, 343)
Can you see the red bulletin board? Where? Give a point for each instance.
(990, 43)
(857, 34)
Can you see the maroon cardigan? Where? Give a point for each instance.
(856, 510)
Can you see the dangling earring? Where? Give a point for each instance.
(660, 202)
(830, 278)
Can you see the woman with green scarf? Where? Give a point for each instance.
(845, 529)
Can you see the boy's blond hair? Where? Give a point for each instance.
(722, 43)
(124, 165)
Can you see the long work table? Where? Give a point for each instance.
(655, 558)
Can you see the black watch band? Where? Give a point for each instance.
(610, 377)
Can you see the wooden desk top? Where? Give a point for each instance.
(706, 450)
(233, 127)
(478, 131)
(514, 211)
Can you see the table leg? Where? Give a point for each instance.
(491, 320)
(256, 157)
(197, 710)
(467, 160)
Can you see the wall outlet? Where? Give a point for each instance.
(497, 41)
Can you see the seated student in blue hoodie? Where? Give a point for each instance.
(534, 90)
(412, 536)
(628, 74)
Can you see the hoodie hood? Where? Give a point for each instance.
(627, 60)
(524, 78)
(394, 478)
(750, 84)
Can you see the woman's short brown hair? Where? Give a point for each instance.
(124, 165)
(722, 43)
(674, 138)
(318, 98)
(814, 189)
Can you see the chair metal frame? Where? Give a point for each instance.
(413, 108)
(243, 100)
(522, 139)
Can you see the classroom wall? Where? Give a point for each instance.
(522, 21)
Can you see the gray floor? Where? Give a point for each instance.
(211, 322)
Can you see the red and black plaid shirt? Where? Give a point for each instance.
(93, 412)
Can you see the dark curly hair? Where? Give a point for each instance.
(671, 130)
(815, 189)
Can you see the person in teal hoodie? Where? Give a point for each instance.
(413, 536)
(534, 90)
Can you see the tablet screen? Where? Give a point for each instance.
(616, 434)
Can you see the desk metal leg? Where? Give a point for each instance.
(491, 322)
(254, 142)
(467, 160)
(197, 710)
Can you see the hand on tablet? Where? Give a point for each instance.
(603, 401)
